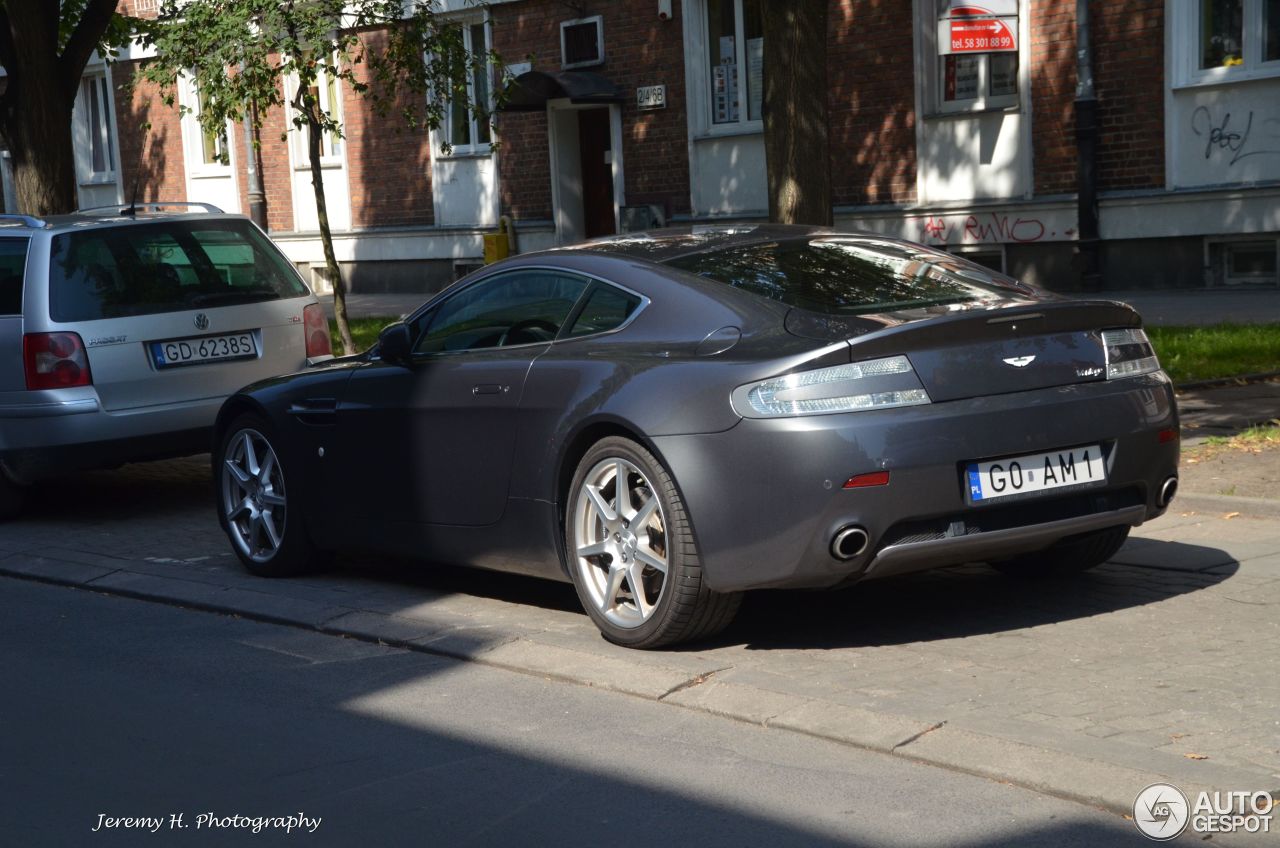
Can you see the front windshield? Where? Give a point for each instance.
(849, 275)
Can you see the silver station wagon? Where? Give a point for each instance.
(122, 331)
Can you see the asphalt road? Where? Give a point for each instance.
(115, 708)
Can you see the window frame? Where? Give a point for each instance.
(934, 65)
(1187, 45)
(697, 67)
(421, 321)
(333, 149)
(475, 147)
(194, 138)
(95, 86)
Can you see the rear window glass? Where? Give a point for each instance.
(840, 275)
(13, 261)
(168, 266)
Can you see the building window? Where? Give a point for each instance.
(976, 55)
(1228, 40)
(735, 53)
(327, 93)
(95, 97)
(213, 143)
(469, 130)
(1236, 263)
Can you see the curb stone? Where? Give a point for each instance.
(1251, 507)
(1090, 780)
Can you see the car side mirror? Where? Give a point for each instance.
(395, 345)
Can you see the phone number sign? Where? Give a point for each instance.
(988, 34)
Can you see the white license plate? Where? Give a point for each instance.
(1037, 472)
(194, 351)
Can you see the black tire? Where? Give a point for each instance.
(12, 497)
(1071, 555)
(681, 608)
(246, 508)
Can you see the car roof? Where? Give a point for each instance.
(108, 216)
(671, 243)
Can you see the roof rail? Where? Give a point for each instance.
(27, 220)
(149, 206)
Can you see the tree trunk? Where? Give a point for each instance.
(37, 131)
(795, 111)
(332, 271)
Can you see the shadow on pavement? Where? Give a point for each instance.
(969, 600)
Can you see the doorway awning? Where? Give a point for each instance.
(530, 91)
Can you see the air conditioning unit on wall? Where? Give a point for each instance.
(582, 42)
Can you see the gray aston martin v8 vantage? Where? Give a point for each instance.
(669, 419)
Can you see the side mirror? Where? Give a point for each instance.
(395, 345)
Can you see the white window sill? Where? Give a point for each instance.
(107, 178)
(730, 130)
(1228, 76)
(210, 174)
(971, 111)
(462, 154)
(325, 165)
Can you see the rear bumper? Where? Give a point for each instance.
(40, 440)
(765, 498)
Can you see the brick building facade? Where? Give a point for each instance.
(973, 151)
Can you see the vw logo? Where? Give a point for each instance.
(1019, 361)
(202, 322)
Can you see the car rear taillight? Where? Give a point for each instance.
(871, 384)
(316, 326)
(55, 361)
(1129, 353)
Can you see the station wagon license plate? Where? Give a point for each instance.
(1037, 472)
(195, 351)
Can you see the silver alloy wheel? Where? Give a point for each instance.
(253, 497)
(620, 542)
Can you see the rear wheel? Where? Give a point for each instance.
(632, 554)
(1067, 556)
(253, 502)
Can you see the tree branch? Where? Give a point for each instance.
(80, 46)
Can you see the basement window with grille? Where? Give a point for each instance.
(582, 43)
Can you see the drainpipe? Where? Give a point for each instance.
(257, 198)
(1087, 132)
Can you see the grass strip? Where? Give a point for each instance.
(1217, 352)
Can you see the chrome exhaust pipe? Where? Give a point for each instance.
(1167, 490)
(849, 542)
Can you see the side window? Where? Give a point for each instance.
(605, 309)
(13, 261)
(523, 307)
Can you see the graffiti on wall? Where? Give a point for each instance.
(988, 228)
(1235, 138)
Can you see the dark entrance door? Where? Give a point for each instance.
(594, 142)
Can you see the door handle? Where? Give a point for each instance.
(488, 389)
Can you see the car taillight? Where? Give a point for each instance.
(872, 384)
(316, 326)
(55, 361)
(1129, 353)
